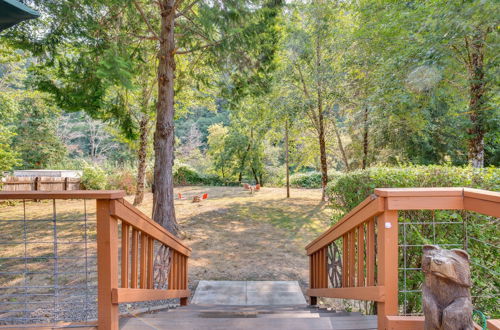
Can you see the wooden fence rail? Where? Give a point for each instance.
(129, 277)
(369, 235)
(39, 183)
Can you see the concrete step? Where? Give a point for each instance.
(248, 293)
(221, 313)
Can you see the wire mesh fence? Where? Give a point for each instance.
(48, 260)
(473, 232)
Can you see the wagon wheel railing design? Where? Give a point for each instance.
(334, 266)
(163, 261)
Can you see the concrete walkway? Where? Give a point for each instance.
(248, 293)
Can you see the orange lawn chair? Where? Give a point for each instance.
(179, 195)
(204, 196)
(257, 187)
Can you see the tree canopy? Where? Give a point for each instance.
(250, 90)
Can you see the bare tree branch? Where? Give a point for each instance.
(145, 19)
(188, 8)
(196, 49)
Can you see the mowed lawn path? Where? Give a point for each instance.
(236, 235)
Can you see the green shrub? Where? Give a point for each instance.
(448, 228)
(306, 180)
(311, 179)
(186, 175)
(93, 178)
(123, 179)
(350, 189)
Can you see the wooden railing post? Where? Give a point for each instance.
(107, 266)
(387, 268)
(312, 272)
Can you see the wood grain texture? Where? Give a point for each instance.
(361, 256)
(425, 203)
(72, 194)
(148, 226)
(387, 270)
(414, 192)
(121, 295)
(492, 196)
(345, 261)
(482, 206)
(143, 262)
(493, 324)
(369, 208)
(125, 255)
(150, 263)
(107, 265)
(352, 258)
(135, 259)
(370, 253)
(369, 293)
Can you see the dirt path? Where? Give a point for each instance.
(238, 236)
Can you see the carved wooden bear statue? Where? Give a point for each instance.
(446, 292)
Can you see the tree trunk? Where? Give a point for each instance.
(242, 163)
(365, 139)
(163, 197)
(287, 161)
(142, 157)
(321, 125)
(476, 99)
(341, 146)
(255, 176)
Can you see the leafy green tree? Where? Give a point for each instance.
(36, 140)
(220, 158)
(8, 157)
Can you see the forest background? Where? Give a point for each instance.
(261, 86)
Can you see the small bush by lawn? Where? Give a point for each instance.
(306, 180)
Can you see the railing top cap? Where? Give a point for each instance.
(410, 192)
(71, 194)
(436, 192)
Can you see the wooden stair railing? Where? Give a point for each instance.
(137, 269)
(369, 235)
(136, 266)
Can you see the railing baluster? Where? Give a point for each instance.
(370, 253)
(172, 273)
(183, 301)
(150, 263)
(345, 261)
(135, 256)
(361, 255)
(321, 267)
(316, 266)
(125, 255)
(144, 253)
(179, 270)
(324, 261)
(352, 258)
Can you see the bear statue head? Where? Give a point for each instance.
(452, 265)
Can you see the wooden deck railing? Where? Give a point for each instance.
(129, 277)
(369, 235)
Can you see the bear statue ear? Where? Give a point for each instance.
(428, 248)
(461, 253)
